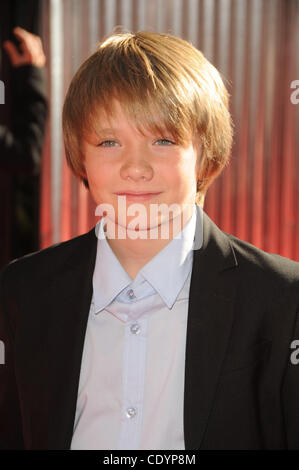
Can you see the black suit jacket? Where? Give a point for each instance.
(241, 386)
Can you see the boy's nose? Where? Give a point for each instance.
(137, 171)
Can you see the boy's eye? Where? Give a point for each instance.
(107, 143)
(165, 141)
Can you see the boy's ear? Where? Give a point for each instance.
(82, 172)
(83, 175)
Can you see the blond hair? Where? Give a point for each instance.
(162, 83)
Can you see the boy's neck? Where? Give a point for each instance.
(134, 254)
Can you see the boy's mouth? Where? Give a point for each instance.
(138, 195)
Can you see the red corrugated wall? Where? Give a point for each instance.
(255, 45)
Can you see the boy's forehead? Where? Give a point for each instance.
(117, 120)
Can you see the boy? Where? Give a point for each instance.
(136, 340)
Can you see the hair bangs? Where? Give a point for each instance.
(145, 93)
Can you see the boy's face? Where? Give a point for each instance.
(148, 170)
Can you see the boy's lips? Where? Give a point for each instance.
(138, 195)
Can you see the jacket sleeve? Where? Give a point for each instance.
(11, 436)
(290, 391)
(21, 144)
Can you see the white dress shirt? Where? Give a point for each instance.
(131, 389)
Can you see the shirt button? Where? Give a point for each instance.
(135, 328)
(131, 294)
(131, 412)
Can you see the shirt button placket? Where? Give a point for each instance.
(131, 294)
(135, 328)
(134, 370)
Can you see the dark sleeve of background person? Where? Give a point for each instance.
(20, 160)
(21, 145)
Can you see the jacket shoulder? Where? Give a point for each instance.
(46, 262)
(258, 261)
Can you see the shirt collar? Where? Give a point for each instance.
(166, 272)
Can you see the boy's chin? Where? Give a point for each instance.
(159, 228)
(131, 224)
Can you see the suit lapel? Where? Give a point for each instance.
(70, 298)
(210, 319)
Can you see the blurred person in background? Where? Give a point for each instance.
(21, 146)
